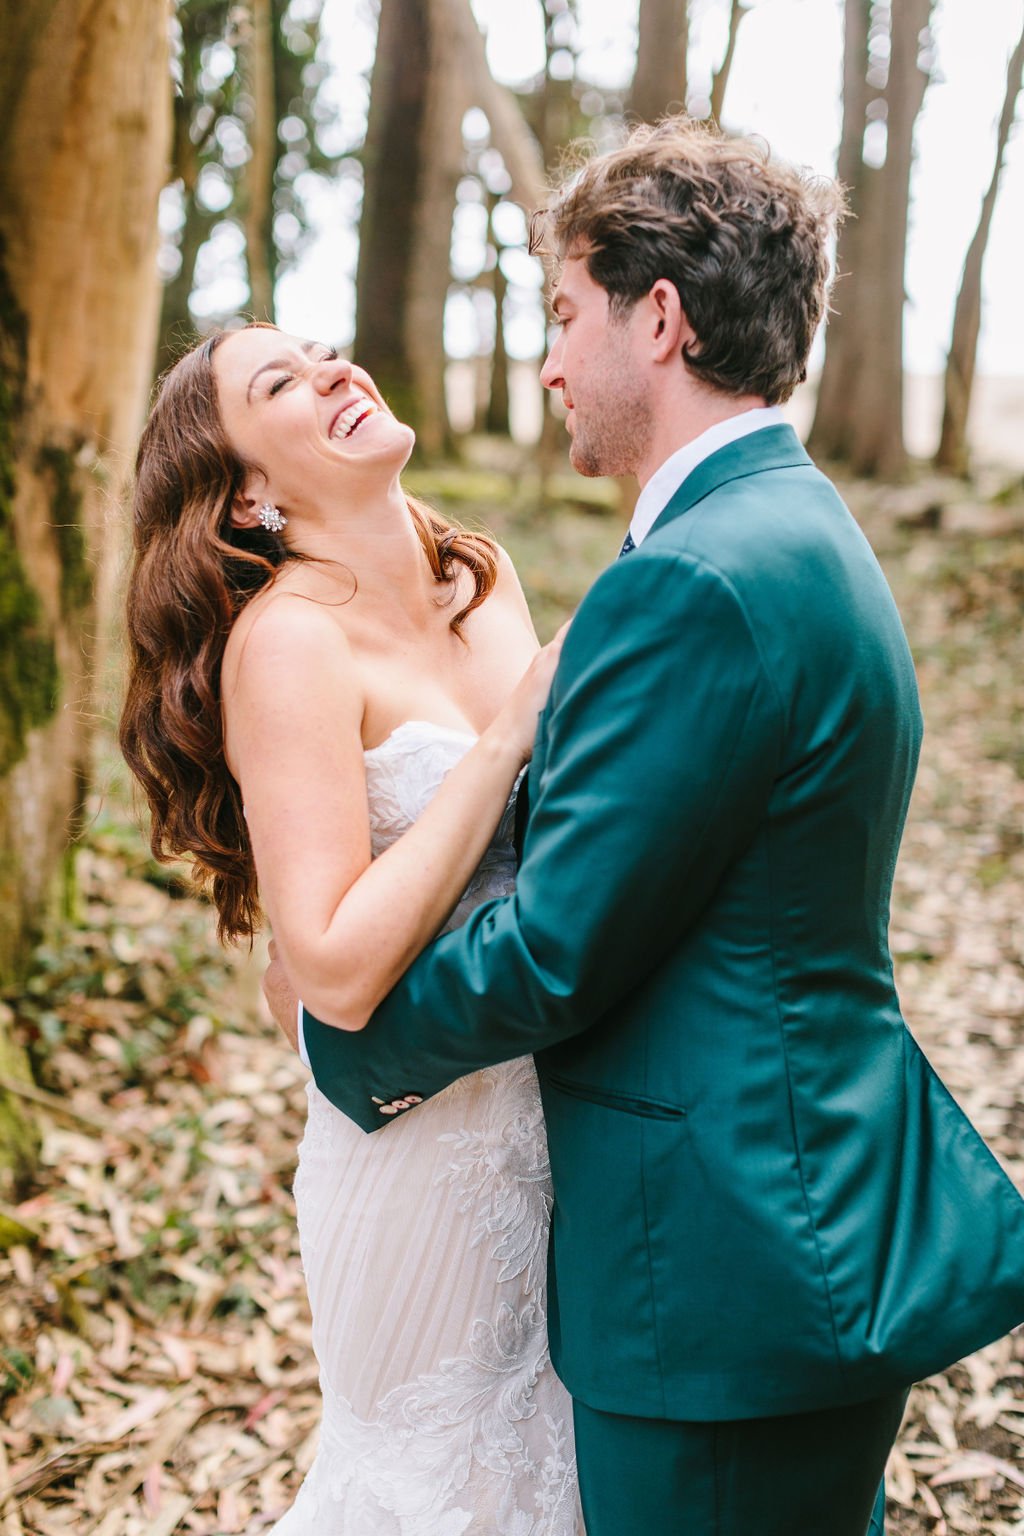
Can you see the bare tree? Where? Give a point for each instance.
(659, 81)
(510, 133)
(859, 415)
(430, 66)
(720, 80)
(393, 170)
(199, 107)
(496, 411)
(86, 119)
(241, 68)
(963, 348)
(441, 158)
(258, 178)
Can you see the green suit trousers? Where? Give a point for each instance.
(804, 1474)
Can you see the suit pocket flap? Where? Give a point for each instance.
(628, 1103)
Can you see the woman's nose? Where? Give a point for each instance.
(331, 373)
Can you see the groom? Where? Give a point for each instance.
(770, 1218)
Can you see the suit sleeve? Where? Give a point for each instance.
(657, 754)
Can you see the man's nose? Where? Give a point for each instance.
(551, 371)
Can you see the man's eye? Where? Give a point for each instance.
(279, 384)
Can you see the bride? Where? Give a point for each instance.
(334, 690)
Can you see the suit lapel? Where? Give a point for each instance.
(767, 449)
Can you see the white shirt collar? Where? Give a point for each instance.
(667, 479)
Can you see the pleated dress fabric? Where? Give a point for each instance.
(424, 1249)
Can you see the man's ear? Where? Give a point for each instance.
(672, 333)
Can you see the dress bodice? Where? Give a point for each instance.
(403, 774)
(425, 1255)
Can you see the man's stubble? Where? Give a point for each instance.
(614, 420)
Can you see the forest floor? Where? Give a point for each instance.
(156, 1374)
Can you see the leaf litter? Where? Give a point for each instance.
(156, 1370)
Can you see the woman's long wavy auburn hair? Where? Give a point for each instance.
(192, 573)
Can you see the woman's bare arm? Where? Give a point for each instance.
(347, 928)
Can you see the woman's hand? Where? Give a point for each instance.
(280, 997)
(516, 722)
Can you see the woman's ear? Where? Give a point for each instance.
(246, 505)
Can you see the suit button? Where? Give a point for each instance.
(414, 1098)
(388, 1109)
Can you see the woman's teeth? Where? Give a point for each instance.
(352, 417)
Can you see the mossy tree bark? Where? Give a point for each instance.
(85, 99)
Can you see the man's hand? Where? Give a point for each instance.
(282, 999)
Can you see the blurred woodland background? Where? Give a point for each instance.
(160, 161)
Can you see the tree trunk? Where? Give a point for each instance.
(720, 80)
(859, 415)
(659, 82)
(460, 78)
(19, 1137)
(496, 416)
(510, 134)
(258, 187)
(830, 431)
(176, 330)
(392, 168)
(963, 347)
(86, 104)
(430, 66)
(878, 445)
(430, 266)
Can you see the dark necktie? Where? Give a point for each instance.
(627, 544)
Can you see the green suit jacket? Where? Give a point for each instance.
(765, 1201)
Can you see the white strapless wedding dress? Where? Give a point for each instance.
(424, 1248)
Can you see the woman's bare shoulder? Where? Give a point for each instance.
(510, 588)
(290, 623)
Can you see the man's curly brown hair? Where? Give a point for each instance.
(743, 238)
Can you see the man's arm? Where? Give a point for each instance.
(663, 741)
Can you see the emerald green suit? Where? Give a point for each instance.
(765, 1202)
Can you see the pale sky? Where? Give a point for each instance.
(785, 85)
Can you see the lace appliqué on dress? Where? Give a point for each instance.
(425, 1254)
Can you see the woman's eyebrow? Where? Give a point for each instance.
(279, 362)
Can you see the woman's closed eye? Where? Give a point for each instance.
(329, 355)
